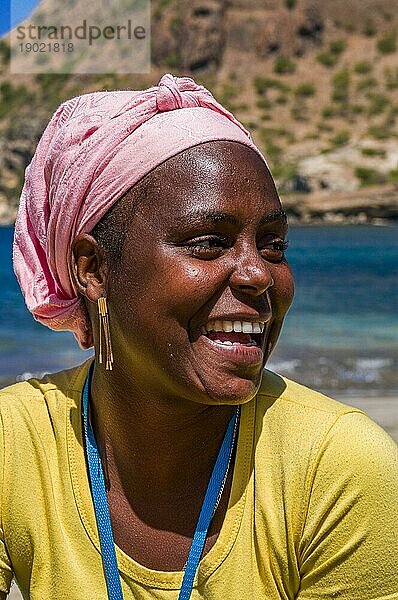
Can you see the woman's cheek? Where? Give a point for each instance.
(281, 294)
(192, 284)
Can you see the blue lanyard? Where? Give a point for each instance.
(210, 503)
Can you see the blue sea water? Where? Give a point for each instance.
(14, 12)
(341, 334)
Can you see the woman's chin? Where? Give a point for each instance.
(231, 390)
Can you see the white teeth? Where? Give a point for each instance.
(247, 327)
(227, 326)
(238, 326)
(228, 343)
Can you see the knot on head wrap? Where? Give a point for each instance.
(95, 148)
(174, 93)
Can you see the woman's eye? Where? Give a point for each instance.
(274, 251)
(210, 245)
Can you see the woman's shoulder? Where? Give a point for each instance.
(35, 418)
(313, 445)
(326, 481)
(299, 419)
(287, 401)
(298, 397)
(29, 399)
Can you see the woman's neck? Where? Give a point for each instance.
(157, 458)
(146, 437)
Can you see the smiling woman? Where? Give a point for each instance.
(213, 254)
(173, 465)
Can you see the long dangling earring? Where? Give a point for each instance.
(104, 331)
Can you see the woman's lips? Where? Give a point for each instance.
(241, 348)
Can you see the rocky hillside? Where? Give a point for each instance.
(316, 82)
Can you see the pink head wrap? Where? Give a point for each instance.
(95, 148)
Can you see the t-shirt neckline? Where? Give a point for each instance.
(127, 565)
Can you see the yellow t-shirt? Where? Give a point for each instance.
(312, 512)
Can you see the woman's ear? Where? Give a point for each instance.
(88, 267)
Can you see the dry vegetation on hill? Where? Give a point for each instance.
(316, 82)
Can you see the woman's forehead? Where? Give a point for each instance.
(211, 158)
(215, 177)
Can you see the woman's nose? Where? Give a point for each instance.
(251, 274)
